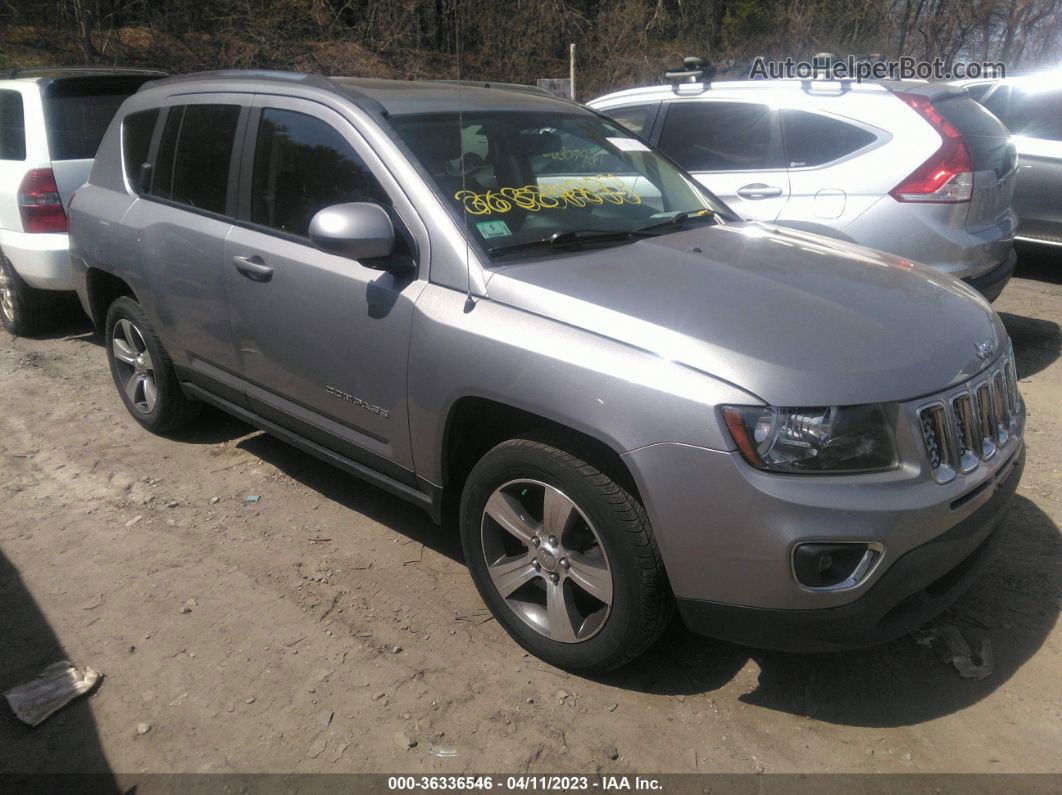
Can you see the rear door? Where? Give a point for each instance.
(825, 184)
(732, 147)
(77, 111)
(323, 340)
(184, 215)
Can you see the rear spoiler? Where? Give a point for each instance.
(74, 71)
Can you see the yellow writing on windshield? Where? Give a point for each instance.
(576, 192)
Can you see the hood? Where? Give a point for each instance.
(795, 318)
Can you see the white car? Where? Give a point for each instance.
(51, 121)
(915, 169)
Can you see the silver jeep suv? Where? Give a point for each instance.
(482, 297)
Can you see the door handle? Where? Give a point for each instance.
(253, 268)
(757, 190)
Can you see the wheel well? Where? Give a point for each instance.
(478, 424)
(103, 289)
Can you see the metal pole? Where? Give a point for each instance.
(571, 68)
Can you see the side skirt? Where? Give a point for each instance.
(430, 499)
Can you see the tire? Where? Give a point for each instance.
(142, 371)
(566, 528)
(22, 308)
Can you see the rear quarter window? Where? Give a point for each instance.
(12, 126)
(810, 139)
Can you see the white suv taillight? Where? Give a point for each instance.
(39, 203)
(947, 176)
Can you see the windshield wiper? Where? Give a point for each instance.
(569, 238)
(678, 219)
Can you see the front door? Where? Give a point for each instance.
(322, 340)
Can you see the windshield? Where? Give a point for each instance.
(532, 181)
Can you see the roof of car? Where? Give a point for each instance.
(38, 73)
(396, 97)
(817, 87)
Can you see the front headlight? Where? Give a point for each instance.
(832, 439)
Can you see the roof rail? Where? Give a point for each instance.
(694, 70)
(823, 63)
(29, 71)
(310, 79)
(494, 84)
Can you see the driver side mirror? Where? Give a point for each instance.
(359, 230)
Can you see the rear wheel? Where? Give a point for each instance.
(21, 306)
(142, 370)
(563, 555)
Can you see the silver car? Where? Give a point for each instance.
(1031, 107)
(919, 170)
(487, 300)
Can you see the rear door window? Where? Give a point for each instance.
(636, 118)
(12, 126)
(302, 165)
(195, 153)
(810, 139)
(721, 136)
(77, 112)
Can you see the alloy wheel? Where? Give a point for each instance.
(7, 295)
(134, 366)
(546, 560)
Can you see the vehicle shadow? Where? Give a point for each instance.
(65, 743)
(1040, 262)
(1014, 605)
(355, 494)
(1037, 342)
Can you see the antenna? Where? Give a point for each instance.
(469, 303)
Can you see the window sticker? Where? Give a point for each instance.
(628, 144)
(489, 229)
(587, 157)
(577, 192)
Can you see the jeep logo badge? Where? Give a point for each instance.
(985, 350)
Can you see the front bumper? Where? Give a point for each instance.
(914, 589)
(42, 260)
(991, 284)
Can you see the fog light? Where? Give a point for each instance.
(834, 566)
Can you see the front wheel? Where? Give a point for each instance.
(563, 555)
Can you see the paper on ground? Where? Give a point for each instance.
(55, 687)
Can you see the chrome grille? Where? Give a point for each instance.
(967, 428)
(962, 415)
(986, 422)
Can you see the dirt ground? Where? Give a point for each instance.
(331, 627)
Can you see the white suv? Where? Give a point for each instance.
(51, 121)
(916, 169)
